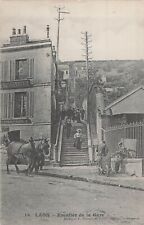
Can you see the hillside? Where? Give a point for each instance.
(121, 75)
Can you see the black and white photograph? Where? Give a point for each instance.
(72, 112)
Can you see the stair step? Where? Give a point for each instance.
(74, 153)
(72, 147)
(74, 161)
(75, 164)
(63, 157)
(70, 155)
(72, 158)
(71, 143)
(71, 137)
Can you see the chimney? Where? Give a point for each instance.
(24, 30)
(13, 31)
(19, 31)
(20, 38)
(47, 31)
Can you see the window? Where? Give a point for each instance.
(20, 104)
(22, 69)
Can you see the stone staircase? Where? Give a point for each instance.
(70, 155)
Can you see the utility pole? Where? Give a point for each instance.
(87, 49)
(60, 11)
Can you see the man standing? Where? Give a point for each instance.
(68, 127)
(120, 155)
(33, 155)
(102, 153)
(82, 113)
(78, 116)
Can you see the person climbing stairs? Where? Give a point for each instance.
(70, 155)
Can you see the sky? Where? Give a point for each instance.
(116, 26)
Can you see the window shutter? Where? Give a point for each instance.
(31, 104)
(5, 105)
(28, 105)
(2, 71)
(13, 99)
(31, 68)
(5, 70)
(2, 105)
(11, 105)
(12, 70)
(8, 105)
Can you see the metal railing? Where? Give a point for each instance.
(55, 149)
(58, 143)
(113, 135)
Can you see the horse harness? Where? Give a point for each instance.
(18, 152)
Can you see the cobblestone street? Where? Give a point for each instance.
(48, 200)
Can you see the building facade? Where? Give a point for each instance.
(28, 74)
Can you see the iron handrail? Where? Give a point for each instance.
(57, 140)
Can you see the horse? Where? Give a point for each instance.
(17, 151)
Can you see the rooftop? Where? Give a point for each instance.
(124, 97)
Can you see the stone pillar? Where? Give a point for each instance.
(99, 112)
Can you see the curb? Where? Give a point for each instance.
(71, 177)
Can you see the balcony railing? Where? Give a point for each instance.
(16, 121)
(16, 84)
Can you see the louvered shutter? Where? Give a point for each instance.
(28, 105)
(8, 105)
(12, 105)
(5, 70)
(5, 105)
(2, 71)
(2, 105)
(31, 104)
(31, 68)
(12, 70)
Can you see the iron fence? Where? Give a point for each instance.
(113, 135)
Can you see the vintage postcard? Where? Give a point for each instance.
(72, 112)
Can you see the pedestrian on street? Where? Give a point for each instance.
(69, 113)
(74, 115)
(82, 112)
(68, 127)
(33, 155)
(120, 155)
(63, 114)
(102, 154)
(78, 116)
(78, 139)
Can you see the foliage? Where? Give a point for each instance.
(123, 75)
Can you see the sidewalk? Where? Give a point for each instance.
(86, 174)
(89, 174)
